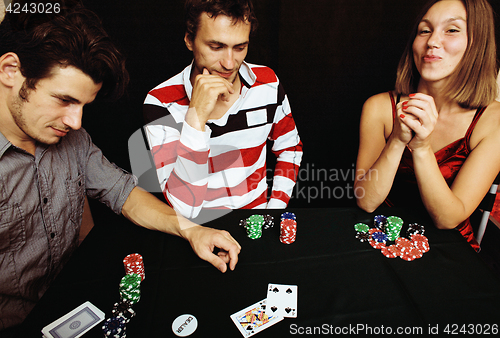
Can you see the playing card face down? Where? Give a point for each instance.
(254, 319)
(282, 300)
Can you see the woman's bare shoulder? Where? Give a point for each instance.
(488, 124)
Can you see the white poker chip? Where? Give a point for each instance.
(184, 325)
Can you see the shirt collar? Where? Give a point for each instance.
(4, 144)
(247, 76)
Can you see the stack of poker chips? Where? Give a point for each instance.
(254, 226)
(130, 294)
(394, 226)
(288, 228)
(387, 229)
(133, 264)
(255, 223)
(130, 288)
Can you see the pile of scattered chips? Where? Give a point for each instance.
(130, 294)
(288, 228)
(388, 229)
(255, 224)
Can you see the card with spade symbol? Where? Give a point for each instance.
(254, 319)
(282, 300)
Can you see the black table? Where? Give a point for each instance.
(342, 283)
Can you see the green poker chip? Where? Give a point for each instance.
(394, 226)
(361, 227)
(254, 226)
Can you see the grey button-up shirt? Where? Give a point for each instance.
(41, 207)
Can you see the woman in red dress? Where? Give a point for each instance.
(435, 140)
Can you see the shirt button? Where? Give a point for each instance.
(52, 235)
(45, 200)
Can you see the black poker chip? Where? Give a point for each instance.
(123, 309)
(363, 236)
(415, 228)
(268, 221)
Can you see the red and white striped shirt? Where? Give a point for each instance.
(224, 166)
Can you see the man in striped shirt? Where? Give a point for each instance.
(208, 126)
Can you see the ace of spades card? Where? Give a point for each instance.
(282, 300)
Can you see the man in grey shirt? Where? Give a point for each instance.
(51, 65)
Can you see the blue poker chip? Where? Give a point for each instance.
(114, 327)
(379, 220)
(380, 237)
(288, 215)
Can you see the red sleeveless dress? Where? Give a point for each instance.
(404, 191)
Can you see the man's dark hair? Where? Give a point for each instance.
(69, 35)
(238, 10)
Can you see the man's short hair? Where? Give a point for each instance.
(238, 10)
(69, 35)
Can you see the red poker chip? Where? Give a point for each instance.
(404, 244)
(387, 252)
(376, 245)
(407, 257)
(395, 250)
(288, 231)
(419, 238)
(134, 258)
(133, 263)
(412, 254)
(422, 246)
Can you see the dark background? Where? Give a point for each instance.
(330, 55)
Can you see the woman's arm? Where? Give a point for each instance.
(378, 159)
(449, 206)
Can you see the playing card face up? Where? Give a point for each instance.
(75, 323)
(254, 319)
(282, 300)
